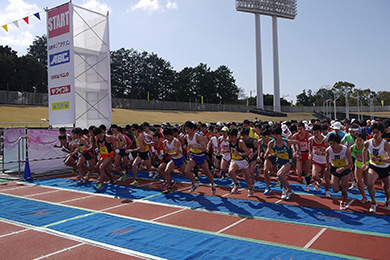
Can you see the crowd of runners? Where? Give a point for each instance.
(334, 154)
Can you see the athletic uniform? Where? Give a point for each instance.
(240, 160)
(265, 147)
(381, 168)
(304, 143)
(358, 155)
(158, 149)
(225, 149)
(251, 147)
(105, 148)
(338, 160)
(283, 154)
(144, 153)
(179, 159)
(319, 157)
(121, 151)
(195, 154)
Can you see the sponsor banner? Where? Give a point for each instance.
(58, 21)
(60, 105)
(60, 90)
(61, 66)
(59, 75)
(59, 58)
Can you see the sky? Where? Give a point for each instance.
(329, 41)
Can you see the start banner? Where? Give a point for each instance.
(60, 49)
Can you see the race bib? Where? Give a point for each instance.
(359, 157)
(304, 146)
(338, 163)
(103, 150)
(283, 156)
(319, 150)
(378, 156)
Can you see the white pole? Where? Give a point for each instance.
(259, 67)
(346, 105)
(276, 64)
(358, 103)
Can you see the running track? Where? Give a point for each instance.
(58, 219)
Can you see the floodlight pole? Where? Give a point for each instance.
(276, 64)
(259, 66)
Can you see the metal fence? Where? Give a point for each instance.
(41, 99)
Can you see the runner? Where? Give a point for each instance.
(197, 147)
(178, 161)
(379, 166)
(282, 148)
(303, 162)
(251, 144)
(360, 174)
(224, 150)
(120, 153)
(68, 147)
(317, 146)
(339, 159)
(269, 162)
(239, 162)
(104, 143)
(86, 155)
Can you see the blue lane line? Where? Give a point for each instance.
(353, 221)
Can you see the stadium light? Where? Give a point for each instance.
(275, 8)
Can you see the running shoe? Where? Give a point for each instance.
(86, 177)
(364, 200)
(164, 184)
(284, 194)
(167, 191)
(307, 188)
(123, 178)
(194, 187)
(173, 182)
(99, 186)
(278, 184)
(213, 189)
(135, 182)
(387, 205)
(155, 175)
(373, 208)
(327, 194)
(317, 187)
(250, 193)
(342, 205)
(300, 179)
(235, 188)
(289, 194)
(267, 191)
(151, 174)
(353, 186)
(112, 181)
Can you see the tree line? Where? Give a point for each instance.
(342, 91)
(134, 74)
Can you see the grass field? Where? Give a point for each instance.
(18, 116)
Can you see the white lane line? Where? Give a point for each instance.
(349, 203)
(114, 207)
(146, 184)
(66, 201)
(41, 193)
(14, 233)
(59, 251)
(278, 201)
(15, 188)
(232, 225)
(315, 238)
(169, 214)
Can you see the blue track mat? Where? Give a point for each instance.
(34, 212)
(149, 238)
(362, 222)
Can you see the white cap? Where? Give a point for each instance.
(337, 125)
(284, 127)
(225, 129)
(270, 123)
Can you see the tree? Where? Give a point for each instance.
(38, 49)
(8, 65)
(304, 99)
(227, 90)
(32, 75)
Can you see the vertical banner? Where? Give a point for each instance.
(61, 65)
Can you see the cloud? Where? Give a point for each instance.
(97, 6)
(18, 38)
(152, 6)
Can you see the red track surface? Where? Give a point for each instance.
(23, 243)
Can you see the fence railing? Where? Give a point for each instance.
(41, 99)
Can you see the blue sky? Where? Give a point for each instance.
(329, 41)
